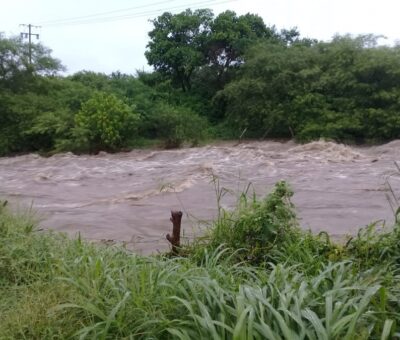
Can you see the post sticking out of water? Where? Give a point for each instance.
(175, 239)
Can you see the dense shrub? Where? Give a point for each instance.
(104, 123)
(240, 76)
(175, 125)
(346, 89)
(257, 226)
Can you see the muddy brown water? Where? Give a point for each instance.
(127, 197)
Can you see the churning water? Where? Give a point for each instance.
(127, 197)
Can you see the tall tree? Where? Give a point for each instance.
(177, 44)
(16, 71)
(22, 90)
(185, 43)
(231, 36)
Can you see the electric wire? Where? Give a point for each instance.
(56, 21)
(138, 14)
(132, 15)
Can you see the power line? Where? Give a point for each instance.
(134, 15)
(29, 35)
(103, 13)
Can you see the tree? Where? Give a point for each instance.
(22, 90)
(195, 45)
(177, 44)
(95, 80)
(16, 73)
(346, 89)
(231, 36)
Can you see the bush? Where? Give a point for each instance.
(104, 123)
(345, 90)
(256, 226)
(176, 125)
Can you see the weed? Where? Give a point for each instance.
(256, 275)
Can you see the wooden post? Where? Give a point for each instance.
(175, 239)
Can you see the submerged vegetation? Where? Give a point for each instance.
(254, 275)
(220, 76)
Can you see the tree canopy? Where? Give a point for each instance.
(181, 44)
(346, 89)
(177, 44)
(214, 76)
(15, 68)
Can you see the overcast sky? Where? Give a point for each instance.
(105, 44)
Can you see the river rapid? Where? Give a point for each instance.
(127, 197)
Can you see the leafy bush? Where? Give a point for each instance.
(345, 90)
(256, 226)
(104, 123)
(267, 231)
(176, 125)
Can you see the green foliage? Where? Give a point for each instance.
(375, 245)
(23, 91)
(275, 84)
(256, 226)
(54, 287)
(45, 113)
(231, 36)
(104, 123)
(345, 90)
(266, 231)
(187, 43)
(177, 42)
(16, 72)
(40, 120)
(175, 125)
(240, 76)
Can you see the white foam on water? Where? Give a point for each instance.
(337, 187)
(327, 151)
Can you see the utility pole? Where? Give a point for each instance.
(29, 36)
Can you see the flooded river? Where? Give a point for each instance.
(127, 197)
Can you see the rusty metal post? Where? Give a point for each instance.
(175, 239)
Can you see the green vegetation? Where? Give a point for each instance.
(255, 274)
(104, 122)
(269, 280)
(219, 76)
(345, 90)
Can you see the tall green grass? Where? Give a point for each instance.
(271, 282)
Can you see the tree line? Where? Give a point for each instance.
(214, 77)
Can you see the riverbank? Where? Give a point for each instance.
(280, 282)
